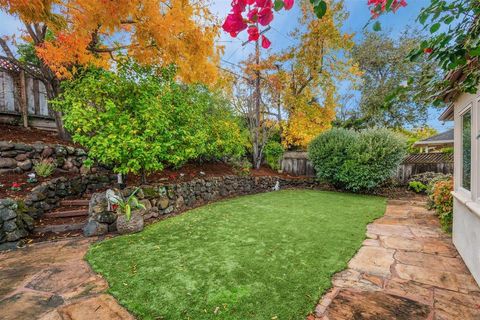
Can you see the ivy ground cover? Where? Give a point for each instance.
(266, 256)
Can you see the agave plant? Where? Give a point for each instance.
(126, 205)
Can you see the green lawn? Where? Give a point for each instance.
(266, 256)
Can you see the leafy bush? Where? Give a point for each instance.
(417, 186)
(357, 161)
(442, 201)
(427, 177)
(140, 119)
(241, 167)
(273, 154)
(44, 168)
(328, 153)
(125, 206)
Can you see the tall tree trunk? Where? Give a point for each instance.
(23, 99)
(53, 90)
(257, 144)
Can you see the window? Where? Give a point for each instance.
(466, 149)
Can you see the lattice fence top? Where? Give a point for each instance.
(8, 66)
(423, 158)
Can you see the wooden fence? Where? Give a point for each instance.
(17, 90)
(297, 164)
(425, 162)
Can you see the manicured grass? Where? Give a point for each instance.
(266, 256)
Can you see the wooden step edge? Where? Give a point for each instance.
(66, 214)
(77, 202)
(57, 228)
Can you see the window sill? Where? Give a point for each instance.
(473, 206)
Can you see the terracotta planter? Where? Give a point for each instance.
(135, 224)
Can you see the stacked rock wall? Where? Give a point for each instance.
(16, 217)
(20, 157)
(163, 199)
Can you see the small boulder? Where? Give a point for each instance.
(135, 224)
(7, 163)
(47, 152)
(25, 165)
(95, 228)
(163, 203)
(7, 214)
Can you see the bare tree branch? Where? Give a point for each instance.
(6, 49)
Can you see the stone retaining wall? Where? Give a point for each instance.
(20, 157)
(163, 199)
(16, 217)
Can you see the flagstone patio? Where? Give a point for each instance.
(407, 269)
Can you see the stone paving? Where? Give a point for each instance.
(406, 269)
(51, 281)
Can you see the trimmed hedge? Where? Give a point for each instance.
(357, 161)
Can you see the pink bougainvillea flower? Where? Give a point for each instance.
(265, 42)
(427, 50)
(265, 16)
(288, 4)
(234, 24)
(264, 3)
(238, 6)
(253, 15)
(253, 33)
(379, 6)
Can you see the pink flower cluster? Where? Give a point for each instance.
(379, 6)
(258, 12)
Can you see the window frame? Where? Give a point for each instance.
(468, 107)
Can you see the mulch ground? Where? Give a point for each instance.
(7, 179)
(192, 171)
(30, 135)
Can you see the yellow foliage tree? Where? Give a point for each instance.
(306, 88)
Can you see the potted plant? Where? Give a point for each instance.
(128, 221)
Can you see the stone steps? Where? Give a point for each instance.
(67, 213)
(71, 216)
(58, 228)
(75, 202)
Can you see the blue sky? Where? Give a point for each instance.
(285, 22)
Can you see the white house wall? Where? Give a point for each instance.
(466, 216)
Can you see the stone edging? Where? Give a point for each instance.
(166, 199)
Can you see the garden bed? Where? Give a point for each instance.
(6, 179)
(31, 135)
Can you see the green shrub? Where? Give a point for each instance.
(273, 154)
(329, 151)
(442, 201)
(417, 186)
(141, 119)
(357, 161)
(427, 177)
(44, 168)
(241, 167)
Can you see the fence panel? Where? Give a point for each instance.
(297, 164)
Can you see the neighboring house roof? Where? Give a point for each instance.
(439, 139)
(427, 158)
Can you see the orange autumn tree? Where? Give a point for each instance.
(304, 79)
(95, 32)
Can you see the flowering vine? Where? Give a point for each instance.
(250, 14)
